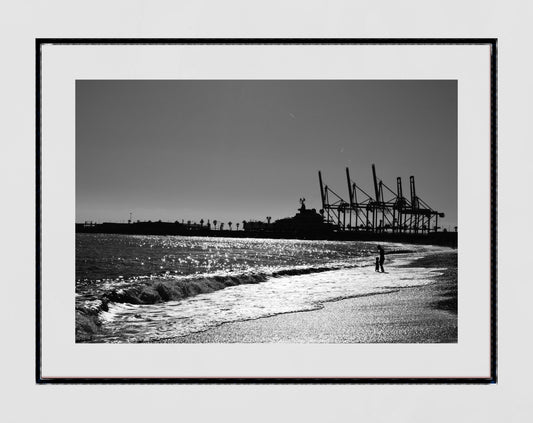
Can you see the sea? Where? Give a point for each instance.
(159, 288)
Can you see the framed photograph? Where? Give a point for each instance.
(266, 211)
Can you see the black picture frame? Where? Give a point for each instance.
(492, 42)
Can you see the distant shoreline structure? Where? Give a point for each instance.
(395, 220)
(392, 219)
(306, 225)
(447, 239)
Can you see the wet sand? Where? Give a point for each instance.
(426, 314)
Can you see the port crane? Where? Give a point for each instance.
(384, 211)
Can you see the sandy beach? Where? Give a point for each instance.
(426, 314)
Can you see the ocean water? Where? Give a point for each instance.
(159, 288)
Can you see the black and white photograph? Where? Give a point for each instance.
(275, 211)
(266, 211)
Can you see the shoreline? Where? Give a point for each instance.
(422, 307)
(423, 314)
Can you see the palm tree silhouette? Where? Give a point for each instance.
(229, 224)
(215, 224)
(268, 219)
(244, 225)
(202, 223)
(221, 226)
(237, 225)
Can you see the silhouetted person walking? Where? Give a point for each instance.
(381, 257)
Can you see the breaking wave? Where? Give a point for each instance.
(173, 289)
(151, 287)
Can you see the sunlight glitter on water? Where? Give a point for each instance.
(243, 302)
(263, 277)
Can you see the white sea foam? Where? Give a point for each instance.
(283, 294)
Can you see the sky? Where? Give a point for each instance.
(235, 150)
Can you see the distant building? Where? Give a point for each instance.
(306, 220)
